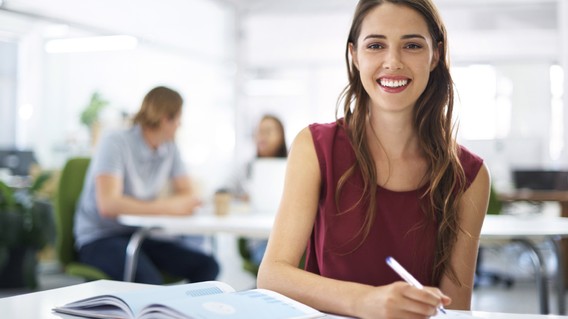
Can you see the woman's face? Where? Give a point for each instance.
(268, 138)
(394, 56)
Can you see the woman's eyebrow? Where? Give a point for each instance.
(412, 36)
(404, 37)
(375, 36)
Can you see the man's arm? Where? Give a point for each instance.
(112, 202)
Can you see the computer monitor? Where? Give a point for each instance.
(17, 161)
(267, 184)
(540, 179)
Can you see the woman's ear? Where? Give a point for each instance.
(353, 53)
(436, 57)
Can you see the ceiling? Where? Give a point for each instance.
(311, 6)
(58, 8)
(170, 19)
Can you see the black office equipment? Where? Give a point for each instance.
(17, 161)
(535, 179)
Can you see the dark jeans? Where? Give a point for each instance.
(155, 257)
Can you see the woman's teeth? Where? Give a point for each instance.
(393, 83)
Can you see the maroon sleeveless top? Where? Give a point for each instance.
(401, 228)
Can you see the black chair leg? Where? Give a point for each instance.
(488, 277)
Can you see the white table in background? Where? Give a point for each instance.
(528, 231)
(241, 224)
(205, 223)
(39, 305)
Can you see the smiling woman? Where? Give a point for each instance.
(387, 179)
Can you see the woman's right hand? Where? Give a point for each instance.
(400, 300)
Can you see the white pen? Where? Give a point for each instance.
(407, 276)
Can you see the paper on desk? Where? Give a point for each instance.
(450, 314)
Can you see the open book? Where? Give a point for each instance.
(211, 299)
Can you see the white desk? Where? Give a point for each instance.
(38, 305)
(526, 231)
(241, 224)
(533, 227)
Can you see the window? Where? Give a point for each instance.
(557, 112)
(482, 102)
(8, 63)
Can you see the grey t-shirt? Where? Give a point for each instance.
(145, 173)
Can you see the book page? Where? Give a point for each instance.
(139, 299)
(103, 306)
(99, 312)
(249, 304)
(129, 304)
(453, 314)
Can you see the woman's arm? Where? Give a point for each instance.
(473, 207)
(292, 228)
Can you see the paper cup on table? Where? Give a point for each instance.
(222, 201)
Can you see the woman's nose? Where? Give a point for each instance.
(393, 60)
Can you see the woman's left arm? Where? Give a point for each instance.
(473, 207)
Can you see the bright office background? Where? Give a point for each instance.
(234, 60)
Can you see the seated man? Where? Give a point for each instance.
(125, 176)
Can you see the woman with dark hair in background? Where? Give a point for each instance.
(270, 140)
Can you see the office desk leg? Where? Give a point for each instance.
(560, 279)
(564, 243)
(132, 251)
(540, 271)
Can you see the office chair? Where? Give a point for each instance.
(494, 208)
(68, 192)
(248, 264)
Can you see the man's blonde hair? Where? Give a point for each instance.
(160, 102)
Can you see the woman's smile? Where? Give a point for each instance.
(393, 84)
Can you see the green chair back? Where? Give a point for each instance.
(68, 192)
(248, 264)
(495, 205)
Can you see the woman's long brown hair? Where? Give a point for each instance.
(433, 123)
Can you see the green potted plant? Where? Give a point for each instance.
(26, 226)
(91, 113)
